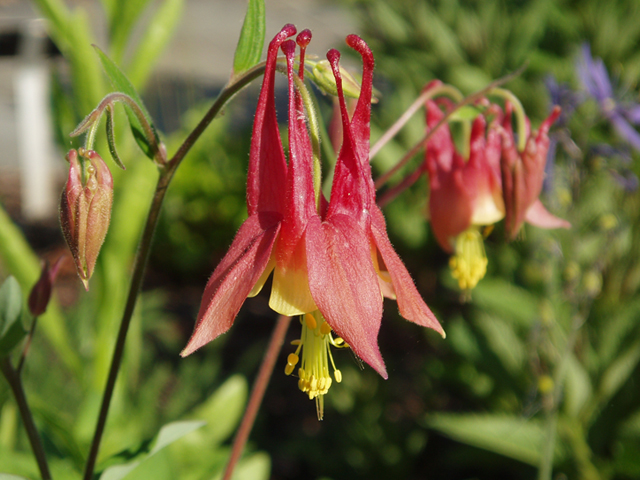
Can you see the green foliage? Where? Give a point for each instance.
(11, 328)
(251, 39)
(519, 438)
(122, 84)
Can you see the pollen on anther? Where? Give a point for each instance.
(325, 329)
(338, 375)
(310, 321)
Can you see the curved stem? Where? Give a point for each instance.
(396, 190)
(384, 178)
(259, 387)
(413, 108)
(13, 379)
(225, 95)
(166, 174)
(521, 118)
(27, 345)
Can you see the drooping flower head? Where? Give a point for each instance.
(523, 176)
(465, 194)
(331, 261)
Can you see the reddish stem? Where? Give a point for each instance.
(257, 394)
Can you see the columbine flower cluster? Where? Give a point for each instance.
(497, 180)
(331, 260)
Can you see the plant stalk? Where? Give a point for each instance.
(14, 381)
(257, 393)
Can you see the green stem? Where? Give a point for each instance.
(27, 345)
(384, 178)
(14, 381)
(166, 174)
(257, 394)
(521, 118)
(413, 108)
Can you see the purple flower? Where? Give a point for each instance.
(622, 115)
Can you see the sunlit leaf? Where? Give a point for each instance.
(167, 435)
(122, 84)
(124, 14)
(223, 410)
(249, 49)
(518, 438)
(507, 300)
(154, 40)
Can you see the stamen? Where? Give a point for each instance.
(314, 374)
(469, 264)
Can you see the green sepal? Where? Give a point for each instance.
(11, 328)
(111, 139)
(122, 84)
(249, 49)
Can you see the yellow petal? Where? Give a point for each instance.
(290, 293)
(263, 278)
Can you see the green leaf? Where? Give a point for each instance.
(7, 476)
(577, 387)
(518, 438)
(506, 300)
(618, 372)
(122, 84)
(504, 342)
(111, 139)
(167, 435)
(11, 328)
(255, 467)
(249, 49)
(156, 37)
(172, 432)
(122, 18)
(223, 410)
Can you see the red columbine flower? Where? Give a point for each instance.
(85, 209)
(523, 174)
(331, 262)
(464, 194)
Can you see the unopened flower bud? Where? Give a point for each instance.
(324, 79)
(85, 209)
(41, 291)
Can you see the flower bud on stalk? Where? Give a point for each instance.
(41, 292)
(85, 209)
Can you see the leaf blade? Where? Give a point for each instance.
(251, 41)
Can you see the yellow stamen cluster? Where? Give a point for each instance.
(469, 263)
(314, 377)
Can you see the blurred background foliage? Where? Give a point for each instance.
(541, 364)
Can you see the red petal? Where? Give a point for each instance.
(267, 164)
(344, 284)
(352, 192)
(540, 217)
(410, 302)
(362, 115)
(234, 278)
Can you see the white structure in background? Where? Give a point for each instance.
(33, 125)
